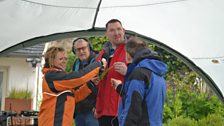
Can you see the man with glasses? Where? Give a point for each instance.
(84, 110)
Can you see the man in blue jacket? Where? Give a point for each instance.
(144, 89)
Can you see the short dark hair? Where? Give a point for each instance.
(112, 21)
(133, 45)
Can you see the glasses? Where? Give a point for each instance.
(82, 48)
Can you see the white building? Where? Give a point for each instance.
(17, 73)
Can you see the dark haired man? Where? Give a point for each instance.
(107, 98)
(144, 90)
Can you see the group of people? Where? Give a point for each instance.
(132, 92)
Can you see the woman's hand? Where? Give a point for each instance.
(95, 80)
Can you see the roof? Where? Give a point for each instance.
(34, 51)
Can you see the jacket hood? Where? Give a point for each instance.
(145, 58)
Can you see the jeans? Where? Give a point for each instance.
(86, 119)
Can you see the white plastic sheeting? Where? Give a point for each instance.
(193, 29)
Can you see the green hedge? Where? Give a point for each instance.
(180, 121)
(211, 120)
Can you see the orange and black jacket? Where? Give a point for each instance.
(59, 98)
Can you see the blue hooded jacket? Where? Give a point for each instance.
(143, 92)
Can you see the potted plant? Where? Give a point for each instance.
(19, 100)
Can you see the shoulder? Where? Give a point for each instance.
(55, 75)
(107, 45)
(98, 56)
(141, 74)
(76, 63)
(92, 58)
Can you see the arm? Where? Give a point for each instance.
(133, 104)
(60, 80)
(132, 112)
(83, 92)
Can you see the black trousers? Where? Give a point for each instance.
(108, 121)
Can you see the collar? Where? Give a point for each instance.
(45, 70)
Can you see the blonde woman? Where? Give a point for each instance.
(59, 98)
